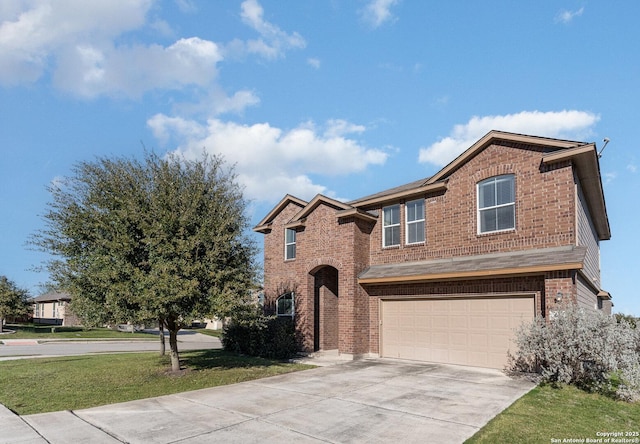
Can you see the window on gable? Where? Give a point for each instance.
(289, 244)
(285, 305)
(496, 204)
(415, 221)
(391, 226)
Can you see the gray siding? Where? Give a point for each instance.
(587, 237)
(587, 298)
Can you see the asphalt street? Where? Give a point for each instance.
(16, 349)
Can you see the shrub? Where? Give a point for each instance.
(255, 334)
(581, 347)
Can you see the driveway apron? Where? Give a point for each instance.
(367, 401)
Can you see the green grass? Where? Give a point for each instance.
(205, 331)
(548, 413)
(30, 386)
(58, 332)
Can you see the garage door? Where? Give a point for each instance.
(463, 331)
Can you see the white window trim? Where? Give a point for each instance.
(384, 227)
(407, 222)
(478, 209)
(286, 244)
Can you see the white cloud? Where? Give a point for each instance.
(632, 167)
(271, 162)
(566, 16)
(610, 177)
(84, 47)
(92, 71)
(314, 62)
(186, 6)
(273, 41)
(557, 124)
(36, 31)
(377, 12)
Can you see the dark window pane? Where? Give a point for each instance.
(392, 215)
(416, 232)
(291, 236)
(486, 194)
(488, 220)
(505, 190)
(506, 217)
(391, 236)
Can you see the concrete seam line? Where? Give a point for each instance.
(96, 427)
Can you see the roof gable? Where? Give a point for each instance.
(315, 202)
(265, 224)
(494, 136)
(52, 296)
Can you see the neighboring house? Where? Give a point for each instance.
(443, 269)
(52, 308)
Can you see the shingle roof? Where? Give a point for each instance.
(486, 265)
(52, 296)
(405, 187)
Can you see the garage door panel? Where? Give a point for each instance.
(466, 331)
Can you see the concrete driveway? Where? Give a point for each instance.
(368, 401)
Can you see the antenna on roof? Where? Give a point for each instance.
(606, 141)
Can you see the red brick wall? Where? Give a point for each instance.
(545, 217)
(545, 210)
(323, 241)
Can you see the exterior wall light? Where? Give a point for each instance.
(559, 296)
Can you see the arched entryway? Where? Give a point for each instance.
(325, 303)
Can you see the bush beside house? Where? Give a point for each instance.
(256, 334)
(582, 347)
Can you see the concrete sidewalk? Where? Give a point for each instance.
(369, 401)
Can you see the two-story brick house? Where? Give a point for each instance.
(443, 269)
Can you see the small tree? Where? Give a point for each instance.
(164, 239)
(13, 300)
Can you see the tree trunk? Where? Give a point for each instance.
(173, 328)
(1, 325)
(163, 346)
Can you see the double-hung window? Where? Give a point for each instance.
(391, 226)
(496, 204)
(415, 221)
(285, 305)
(289, 244)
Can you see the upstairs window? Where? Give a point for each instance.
(391, 226)
(289, 244)
(496, 204)
(285, 305)
(415, 221)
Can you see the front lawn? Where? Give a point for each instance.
(546, 414)
(30, 386)
(208, 332)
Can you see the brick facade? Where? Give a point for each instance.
(336, 242)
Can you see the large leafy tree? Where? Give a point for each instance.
(13, 300)
(159, 239)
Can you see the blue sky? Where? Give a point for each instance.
(339, 98)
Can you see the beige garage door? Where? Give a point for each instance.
(463, 331)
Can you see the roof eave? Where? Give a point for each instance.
(474, 274)
(356, 213)
(266, 221)
(490, 138)
(315, 202)
(587, 165)
(406, 194)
